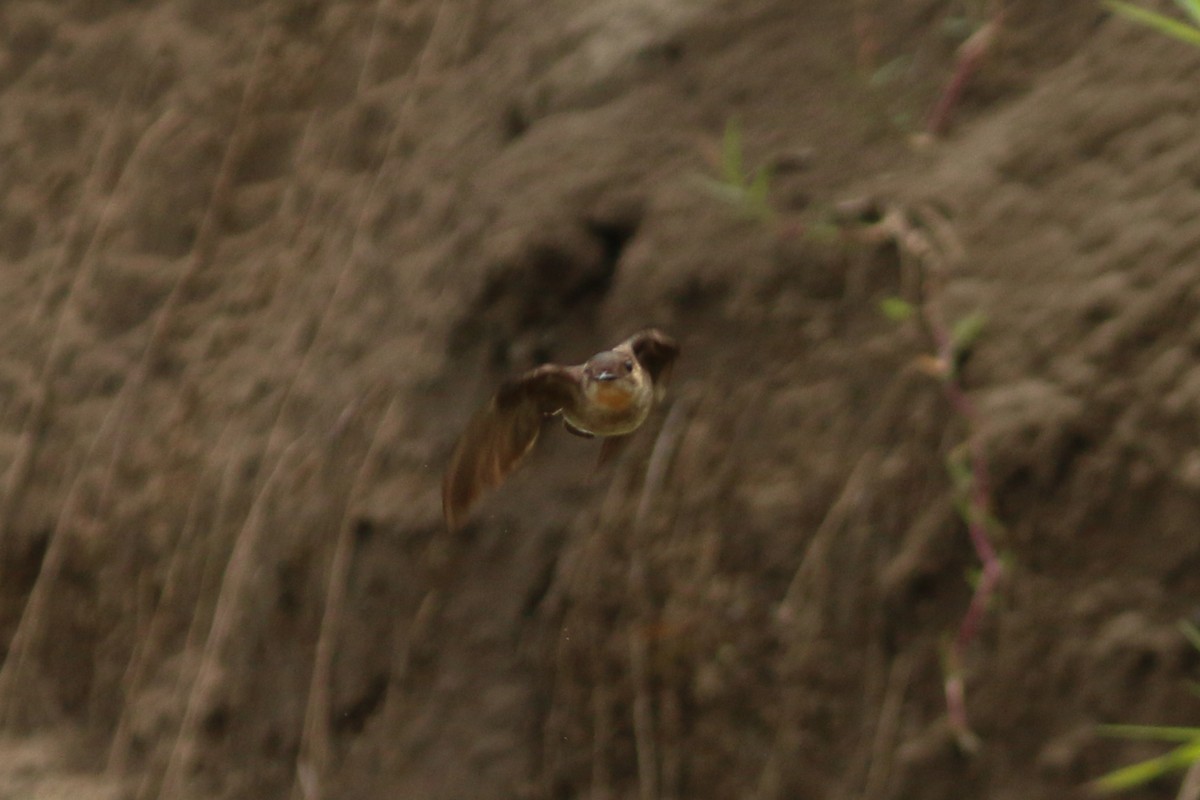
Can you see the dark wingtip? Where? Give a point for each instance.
(456, 499)
(655, 349)
(456, 496)
(449, 516)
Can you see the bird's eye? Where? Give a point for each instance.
(629, 365)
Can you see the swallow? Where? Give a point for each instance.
(609, 396)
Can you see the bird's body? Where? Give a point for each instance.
(610, 396)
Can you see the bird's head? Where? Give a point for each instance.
(611, 366)
(612, 379)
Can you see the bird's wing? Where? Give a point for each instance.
(654, 350)
(499, 436)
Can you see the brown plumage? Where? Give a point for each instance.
(610, 395)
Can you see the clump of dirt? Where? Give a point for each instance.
(261, 262)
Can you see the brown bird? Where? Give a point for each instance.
(610, 395)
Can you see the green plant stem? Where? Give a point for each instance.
(1189, 34)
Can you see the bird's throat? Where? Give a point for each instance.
(610, 408)
(612, 397)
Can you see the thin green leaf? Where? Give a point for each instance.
(966, 331)
(959, 469)
(1191, 8)
(1191, 632)
(897, 309)
(963, 508)
(902, 120)
(734, 195)
(758, 193)
(1159, 22)
(1150, 769)
(742, 199)
(1008, 560)
(761, 184)
(974, 576)
(823, 232)
(890, 72)
(1129, 777)
(959, 27)
(1156, 733)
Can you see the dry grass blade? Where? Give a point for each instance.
(101, 165)
(643, 708)
(26, 638)
(601, 788)
(18, 473)
(116, 420)
(887, 726)
(643, 716)
(406, 645)
(810, 570)
(358, 241)
(835, 520)
(660, 458)
(148, 644)
(233, 586)
(673, 733)
(314, 752)
(208, 585)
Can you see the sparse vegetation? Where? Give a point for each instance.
(926, 246)
(971, 55)
(748, 191)
(1187, 32)
(1185, 754)
(260, 263)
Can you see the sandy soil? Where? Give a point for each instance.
(260, 261)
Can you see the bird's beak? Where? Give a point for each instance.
(606, 375)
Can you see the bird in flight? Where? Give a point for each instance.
(610, 395)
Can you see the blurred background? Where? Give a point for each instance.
(932, 265)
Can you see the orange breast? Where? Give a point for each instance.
(612, 398)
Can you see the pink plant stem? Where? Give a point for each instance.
(978, 516)
(970, 56)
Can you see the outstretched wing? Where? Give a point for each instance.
(499, 436)
(654, 350)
